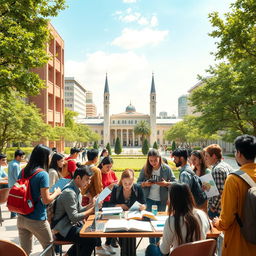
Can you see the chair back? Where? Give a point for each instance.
(204, 247)
(4, 192)
(11, 249)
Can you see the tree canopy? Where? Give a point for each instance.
(23, 38)
(142, 129)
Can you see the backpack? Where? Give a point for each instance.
(51, 208)
(248, 222)
(197, 190)
(20, 198)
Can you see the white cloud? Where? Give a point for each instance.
(130, 17)
(129, 1)
(154, 21)
(132, 39)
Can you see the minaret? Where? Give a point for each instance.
(106, 131)
(152, 112)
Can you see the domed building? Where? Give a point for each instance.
(122, 125)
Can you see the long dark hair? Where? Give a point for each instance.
(105, 160)
(182, 205)
(54, 162)
(103, 151)
(39, 159)
(148, 168)
(199, 154)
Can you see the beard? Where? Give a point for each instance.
(178, 164)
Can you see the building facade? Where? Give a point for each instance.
(50, 101)
(91, 109)
(75, 97)
(182, 106)
(121, 125)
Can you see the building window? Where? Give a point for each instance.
(158, 132)
(135, 121)
(101, 132)
(118, 122)
(131, 121)
(113, 122)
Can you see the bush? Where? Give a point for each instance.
(95, 145)
(118, 147)
(173, 145)
(155, 145)
(109, 149)
(145, 147)
(196, 148)
(67, 150)
(10, 152)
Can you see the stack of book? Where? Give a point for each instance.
(111, 213)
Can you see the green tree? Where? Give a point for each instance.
(118, 147)
(145, 147)
(23, 38)
(173, 145)
(20, 122)
(155, 145)
(109, 149)
(227, 101)
(95, 145)
(142, 129)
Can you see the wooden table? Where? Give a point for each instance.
(129, 238)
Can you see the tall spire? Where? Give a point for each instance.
(153, 89)
(106, 89)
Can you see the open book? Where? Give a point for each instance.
(127, 225)
(139, 215)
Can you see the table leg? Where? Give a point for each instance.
(128, 246)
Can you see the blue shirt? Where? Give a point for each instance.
(40, 180)
(2, 172)
(13, 172)
(185, 176)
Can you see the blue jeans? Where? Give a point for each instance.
(160, 207)
(153, 250)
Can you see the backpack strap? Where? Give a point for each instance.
(244, 176)
(36, 172)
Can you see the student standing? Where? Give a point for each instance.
(233, 199)
(36, 222)
(155, 178)
(3, 174)
(56, 166)
(185, 223)
(14, 169)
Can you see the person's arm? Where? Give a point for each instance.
(53, 176)
(97, 181)
(167, 239)
(47, 197)
(141, 180)
(229, 201)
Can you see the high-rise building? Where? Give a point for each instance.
(91, 110)
(182, 106)
(51, 99)
(75, 96)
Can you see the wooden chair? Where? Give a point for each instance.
(4, 192)
(11, 249)
(204, 247)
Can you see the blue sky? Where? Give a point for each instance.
(130, 39)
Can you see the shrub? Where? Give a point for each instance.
(145, 147)
(173, 145)
(155, 145)
(109, 149)
(118, 147)
(95, 145)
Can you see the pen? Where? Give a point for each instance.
(160, 225)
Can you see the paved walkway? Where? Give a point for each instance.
(9, 232)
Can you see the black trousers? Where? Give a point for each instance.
(85, 244)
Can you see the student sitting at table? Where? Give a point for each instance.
(69, 214)
(126, 193)
(185, 223)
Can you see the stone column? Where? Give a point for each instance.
(127, 138)
(121, 139)
(133, 141)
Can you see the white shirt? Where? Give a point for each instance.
(154, 193)
(170, 241)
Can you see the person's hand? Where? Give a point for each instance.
(213, 209)
(163, 183)
(57, 191)
(124, 206)
(142, 207)
(215, 222)
(146, 184)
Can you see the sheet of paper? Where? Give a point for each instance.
(209, 185)
(61, 183)
(135, 206)
(104, 193)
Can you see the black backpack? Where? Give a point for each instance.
(197, 190)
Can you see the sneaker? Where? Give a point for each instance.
(102, 252)
(110, 249)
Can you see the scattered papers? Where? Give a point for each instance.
(209, 185)
(159, 223)
(61, 183)
(135, 207)
(127, 225)
(104, 193)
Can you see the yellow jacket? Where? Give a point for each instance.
(232, 202)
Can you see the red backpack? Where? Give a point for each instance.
(20, 199)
